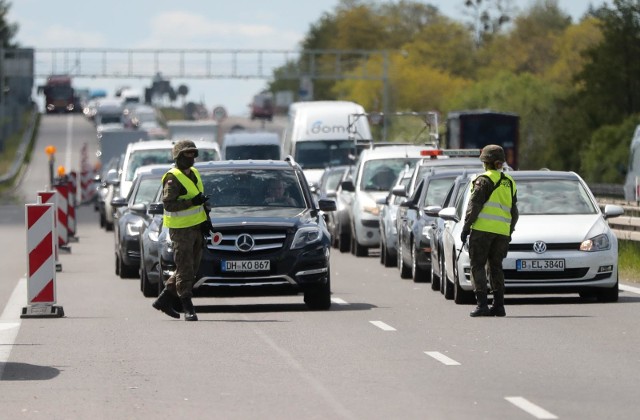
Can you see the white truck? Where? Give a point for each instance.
(321, 134)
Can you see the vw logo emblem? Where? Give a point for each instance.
(245, 242)
(539, 247)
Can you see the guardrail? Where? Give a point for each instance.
(627, 226)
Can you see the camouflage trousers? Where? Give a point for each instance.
(187, 252)
(486, 252)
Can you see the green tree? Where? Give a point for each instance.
(605, 156)
(7, 30)
(610, 76)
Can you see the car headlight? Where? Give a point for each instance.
(134, 229)
(597, 243)
(306, 236)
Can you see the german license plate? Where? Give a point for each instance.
(540, 265)
(246, 265)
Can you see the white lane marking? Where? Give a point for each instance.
(531, 408)
(339, 301)
(67, 160)
(629, 288)
(442, 358)
(10, 321)
(382, 325)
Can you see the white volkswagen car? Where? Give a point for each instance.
(562, 242)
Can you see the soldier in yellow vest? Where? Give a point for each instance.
(184, 215)
(491, 217)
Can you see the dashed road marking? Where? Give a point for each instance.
(382, 325)
(629, 289)
(442, 358)
(339, 301)
(531, 408)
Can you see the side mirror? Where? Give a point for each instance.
(382, 201)
(326, 205)
(156, 208)
(408, 204)
(331, 194)
(348, 186)
(118, 202)
(612, 210)
(449, 213)
(400, 191)
(112, 177)
(139, 208)
(432, 211)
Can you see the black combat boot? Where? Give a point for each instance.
(497, 308)
(189, 311)
(164, 303)
(483, 308)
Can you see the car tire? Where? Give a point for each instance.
(608, 295)
(389, 260)
(442, 275)
(461, 296)
(108, 226)
(344, 242)
(117, 265)
(126, 271)
(359, 250)
(319, 298)
(448, 284)
(405, 271)
(148, 289)
(382, 252)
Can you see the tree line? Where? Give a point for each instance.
(575, 85)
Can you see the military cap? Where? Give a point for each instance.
(492, 153)
(184, 146)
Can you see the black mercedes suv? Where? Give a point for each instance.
(270, 236)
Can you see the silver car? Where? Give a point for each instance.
(562, 242)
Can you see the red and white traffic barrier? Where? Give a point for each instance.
(51, 197)
(63, 211)
(73, 198)
(41, 262)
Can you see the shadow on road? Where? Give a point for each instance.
(273, 307)
(27, 372)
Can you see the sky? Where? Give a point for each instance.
(193, 24)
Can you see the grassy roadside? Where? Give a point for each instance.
(11, 145)
(629, 261)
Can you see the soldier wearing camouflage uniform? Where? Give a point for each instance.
(184, 215)
(491, 217)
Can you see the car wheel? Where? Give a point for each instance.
(344, 242)
(117, 265)
(382, 253)
(405, 271)
(389, 260)
(435, 280)
(108, 226)
(608, 295)
(319, 298)
(419, 275)
(148, 289)
(103, 221)
(443, 274)
(126, 271)
(361, 251)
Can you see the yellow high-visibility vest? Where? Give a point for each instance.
(192, 216)
(495, 215)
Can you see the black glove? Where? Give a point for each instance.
(206, 227)
(199, 199)
(464, 235)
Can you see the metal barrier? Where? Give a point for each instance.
(23, 149)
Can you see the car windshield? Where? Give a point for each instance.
(254, 187)
(333, 179)
(553, 196)
(140, 158)
(379, 174)
(323, 153)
